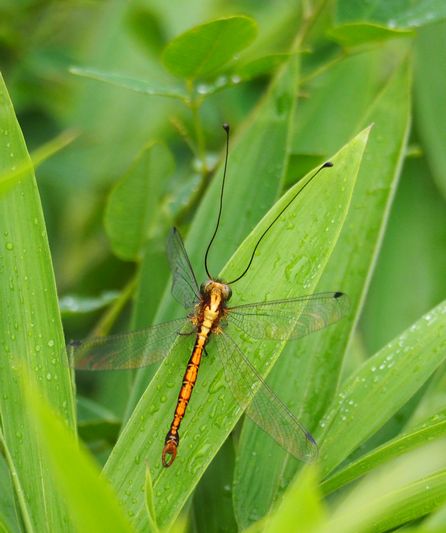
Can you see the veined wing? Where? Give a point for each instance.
(261, 404)
(291, 318)
(128, 350)
(184, 284)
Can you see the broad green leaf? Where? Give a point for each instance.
(430, 81)
(400, 445)
(213, 411)
(140, 86)
(357, 34)
(308, 372)
(73, 304)
(30, 328)
(261, 66)
(202, 50)
(337, 103)
(133, 214)
(403, 490)
(301, 508)
(381, 386)
(395, 14)
(87, 496)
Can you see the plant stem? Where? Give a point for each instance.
(105, 324)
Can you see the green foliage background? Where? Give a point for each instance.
(119, 105)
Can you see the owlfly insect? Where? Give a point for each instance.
(211, 318)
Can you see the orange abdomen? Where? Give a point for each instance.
(189, 379)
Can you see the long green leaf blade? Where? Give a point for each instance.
(88, 497)
(381, 386)
(30, 329)
(307, 373)
(213, 411)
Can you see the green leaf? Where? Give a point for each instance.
(140, 86)
(307, 374)
(413, 255)
(147, 27)
(403, 490)
(87, 496)
(398, 13)
(212, 500)
(74, 304)
(151, 515)
(10, 176)
(400, 445)
(30, 328)
(133, 213)
(360, 33)
(381, 386)
(430, 80)
(300, 505)
(260, 66)
(213, 411)
(9, 520)
(436, 521)
(202, 50)
(95, 422)
(340, 98)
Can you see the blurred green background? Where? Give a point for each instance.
(347, 53)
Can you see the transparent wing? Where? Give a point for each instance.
(289, 319)
(129, 350)
(261, 404)
(184, 284)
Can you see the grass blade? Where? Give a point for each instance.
(30, 329)
(307, 373)
(381, 386)
(213, 412)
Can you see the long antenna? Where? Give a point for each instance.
(325, 165)
(226, 128)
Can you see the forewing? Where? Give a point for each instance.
(291, 318)
(261, 404)
(184, 284)
(129, 350)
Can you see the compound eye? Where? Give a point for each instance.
(228, 292)
(205, 286)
